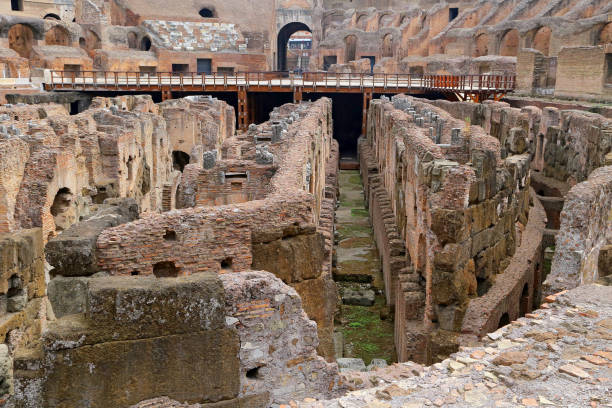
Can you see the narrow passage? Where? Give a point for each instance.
(365, 321)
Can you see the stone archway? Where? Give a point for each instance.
(350, 48)
(387, 46)
(481, 46)
(509, 43)
(21, 39)
(541, 40)
(283, 39)
(57, 35)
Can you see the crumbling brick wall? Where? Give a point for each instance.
(279, 231)
(586, 228)
(454, 201)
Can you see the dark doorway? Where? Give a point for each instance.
(283, 38)
(179, 160)
(347, 116)
(503, 321)
(453, 12)
(328, 61)
(204, 66)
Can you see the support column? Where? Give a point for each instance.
(367, 97)
(166, 94)
(297, 94)
(243, 109)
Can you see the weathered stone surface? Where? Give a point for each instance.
(73, 252)
(358, 297)
(351, 364)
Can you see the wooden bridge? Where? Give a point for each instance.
(458, 87)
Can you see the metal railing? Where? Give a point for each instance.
(285, 80)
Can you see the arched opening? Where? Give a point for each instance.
(299, 49)
(524, 304)
(90, 41)
(132, 40)
(605, 35)
(63, 210)
(21, 38)
(350, 48)
(145, 43)
(541, 40)
(207, 12)
(361, 22)
(481, 47)
(385, 20)
(283, 39)
(57, 35)
(504, 320)
(179, 160)
(51, 16)
(509, 43)
(387, 46)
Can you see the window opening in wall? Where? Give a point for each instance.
(72, 68)
(226, 264)
(74, 108)
(504, 320)
(328, 61)
(17, 5)
(453, 12)
(170, 235)
(225, 70)
(165, 269)
(147, 69)
(130, 168)
(145, 43)
(135, 273)
(180, 68)
(204, 66)
(207, 13)
(253, 373)
(179, 160)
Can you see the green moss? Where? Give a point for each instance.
(359, 212)
(370, 336)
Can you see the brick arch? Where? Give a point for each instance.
(385, 20)
(361, 21)
(57, 35)
(605, 35)
(481, 45)
(21, 39)
(350, 48)
(541, 40)
(387, 46)
(509, 44)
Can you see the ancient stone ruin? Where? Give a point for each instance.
(315, 203)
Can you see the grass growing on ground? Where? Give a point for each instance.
(370, 336)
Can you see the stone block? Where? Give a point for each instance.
(68, 295)
(145, 306)
(195, 367)
(292, 259)
(351, 364)
(73, 252)
(377, 363)
(358, 297)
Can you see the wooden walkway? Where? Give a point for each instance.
(462, 87)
